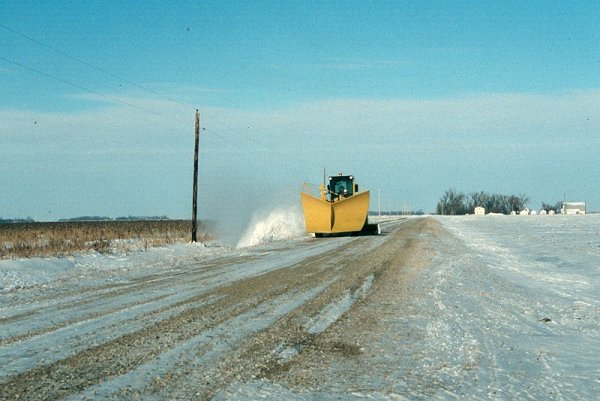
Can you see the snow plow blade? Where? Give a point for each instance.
(335, 214)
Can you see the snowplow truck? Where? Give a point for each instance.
(338, 209)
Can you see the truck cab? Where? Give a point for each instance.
(340, 187)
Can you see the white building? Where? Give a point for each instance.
(573, 208)
(479, 211)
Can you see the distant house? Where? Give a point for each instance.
(573, 208)
(479, 211)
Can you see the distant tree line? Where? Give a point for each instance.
(124, 218)
(457, 203)
(7, 221)
(419, 212)
(87, 218)
(91, 218)
(554, 207)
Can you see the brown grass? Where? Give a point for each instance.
(67, 238)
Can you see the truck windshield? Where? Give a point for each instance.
(341, 185)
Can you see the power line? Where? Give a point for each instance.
(64, 81)
(102, 70)
(153, 112)
(112, 98)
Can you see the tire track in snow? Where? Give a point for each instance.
(218, 299)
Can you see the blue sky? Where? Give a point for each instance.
(98, 99)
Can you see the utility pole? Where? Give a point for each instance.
(195, 191)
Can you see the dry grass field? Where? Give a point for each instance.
(39, 239)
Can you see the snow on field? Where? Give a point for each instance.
(23, 273)
(269, 228)
(524, 295)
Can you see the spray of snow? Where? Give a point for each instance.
(278, 225)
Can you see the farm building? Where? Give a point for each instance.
(573, 208)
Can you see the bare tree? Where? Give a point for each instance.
(554, 207)
(452, 203)
(456, 203)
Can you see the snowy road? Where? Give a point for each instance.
(436, 308)
(104, 327)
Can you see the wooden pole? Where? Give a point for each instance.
(195, 191)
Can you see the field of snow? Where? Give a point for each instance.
(524, 294)
(504, 307)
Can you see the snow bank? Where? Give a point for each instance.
(30, 272)
(20, 273)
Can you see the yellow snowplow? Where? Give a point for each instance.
(339, 208)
